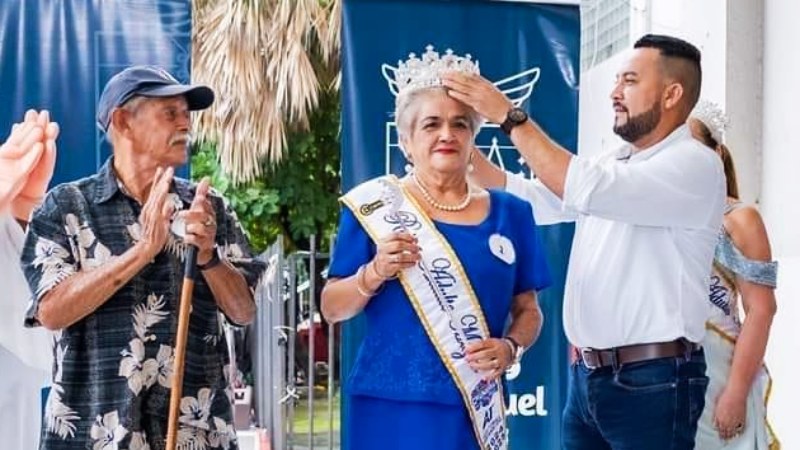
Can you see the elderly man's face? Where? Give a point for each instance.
(636, 96)
(160, 130)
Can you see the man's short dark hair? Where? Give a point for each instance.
(681, 62)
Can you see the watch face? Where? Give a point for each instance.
(517, 115)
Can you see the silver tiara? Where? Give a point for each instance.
(425, 72)
(712, 117)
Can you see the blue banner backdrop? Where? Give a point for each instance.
(58, 55)
(531, 51)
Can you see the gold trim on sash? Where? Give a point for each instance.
(774, 443)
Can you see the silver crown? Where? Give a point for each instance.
(713, 118)
(425, 72)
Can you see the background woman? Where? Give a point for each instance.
(744, 276)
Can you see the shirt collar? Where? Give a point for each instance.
(625, 153)
(109, 184)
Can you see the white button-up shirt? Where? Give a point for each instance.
(646, 228)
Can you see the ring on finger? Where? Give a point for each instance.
(395, 258)
(209, 222)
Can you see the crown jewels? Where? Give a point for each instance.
(712, 117)
(425, 72)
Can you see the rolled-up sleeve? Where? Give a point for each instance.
(673, 188)
(48, 256)
(548, 209)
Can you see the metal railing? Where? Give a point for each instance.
(287, 358)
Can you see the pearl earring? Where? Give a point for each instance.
(470, 166)
(409, 168)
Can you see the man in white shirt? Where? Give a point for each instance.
(647, 218)
(27, 159)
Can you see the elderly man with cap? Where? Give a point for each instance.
(103, 259)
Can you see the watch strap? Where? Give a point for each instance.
(510, 122)
(213, 262)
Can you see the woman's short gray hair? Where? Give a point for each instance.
(403, 110)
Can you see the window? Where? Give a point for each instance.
(605, 30)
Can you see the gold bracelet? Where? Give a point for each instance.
(359, 275)
(380, 275)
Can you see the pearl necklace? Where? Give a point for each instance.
(431, 201)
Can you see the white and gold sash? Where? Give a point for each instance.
(442, 296)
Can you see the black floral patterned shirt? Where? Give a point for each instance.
(113, 368)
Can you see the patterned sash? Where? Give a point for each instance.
(442, 297)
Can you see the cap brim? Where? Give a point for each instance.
(197, 97)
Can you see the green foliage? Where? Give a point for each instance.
(294, 198)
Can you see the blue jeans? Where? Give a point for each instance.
(650, 405)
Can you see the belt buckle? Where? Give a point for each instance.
(584, 352)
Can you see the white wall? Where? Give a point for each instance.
(780, 206)
(700, 22)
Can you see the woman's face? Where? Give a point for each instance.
(440, 136)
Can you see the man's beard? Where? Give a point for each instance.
(638, 126)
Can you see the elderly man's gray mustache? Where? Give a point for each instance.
(180, 137)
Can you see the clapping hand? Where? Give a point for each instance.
(157, 213)
(27, 161)
(201, 223)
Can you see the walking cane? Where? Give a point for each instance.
(189, 272)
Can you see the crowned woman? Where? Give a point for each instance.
(447, 275)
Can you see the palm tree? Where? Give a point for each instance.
(268, 61)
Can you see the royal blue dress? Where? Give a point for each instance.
(400, 394)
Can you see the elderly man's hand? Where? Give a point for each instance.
(19, 156)
(157, 213)
(479, 94)
(201, 223)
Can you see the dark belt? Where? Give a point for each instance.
(617, 356)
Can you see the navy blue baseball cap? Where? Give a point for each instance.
(147, 81)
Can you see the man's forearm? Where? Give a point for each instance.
(231, 292)
(82, 293)
(548, 160)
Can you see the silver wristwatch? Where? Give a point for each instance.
(517, 351)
